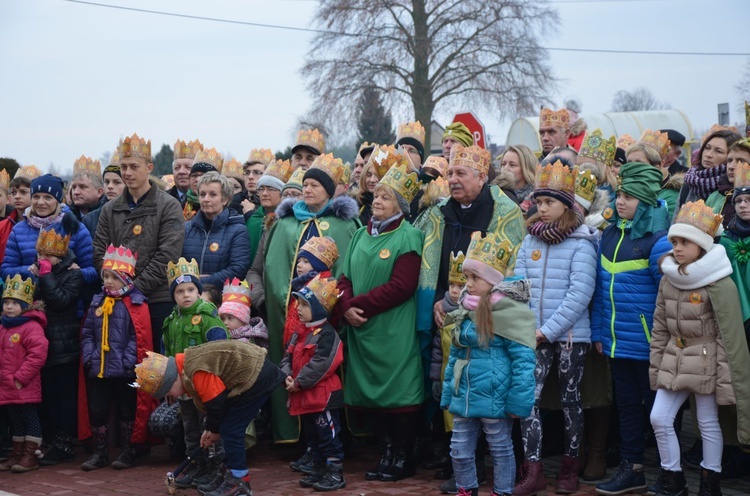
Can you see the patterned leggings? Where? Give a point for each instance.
(24, 420)
(571, 358)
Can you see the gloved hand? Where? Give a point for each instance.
(437, 390)
(45, 267)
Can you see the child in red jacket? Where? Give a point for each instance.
(23, 351)
(312, 357)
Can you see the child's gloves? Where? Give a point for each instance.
(45, 267)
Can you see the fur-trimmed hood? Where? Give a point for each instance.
(343, 207)
(578, 127)
(675, 182)
(595, 218)
(504, 180)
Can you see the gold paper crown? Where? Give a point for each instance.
(115, 158)
(386, 156)
(263, 155)
(411, 130)
(236, 291)
(135, 147)
(438, 163)
(364, 145)
(585, 184)
(403, 182)
(87, 164)
(597, 148)
(186, 150)
(492, 250)
(441, 186)
(120, 259)
(472, 156)
(182, 268)
(346, 176)
(28, 171)
(717, 127)
(334, 167)
(297, 177)
(625, 141)
(232, 168)
(700, 216)
(4, 180)
(747, 113)
(657, 140)
(211, 157)
(311, 139)
(326, 291)
(742, 175)
(555, 176)
(169, 179)
(149, 374)
(51, 243)
(280, 169)
(554, 118)
(455, 269)
(19, 288)
(322, 248)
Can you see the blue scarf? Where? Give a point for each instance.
(10, 322)
(302, 213)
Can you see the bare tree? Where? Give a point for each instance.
(428, 54)
(743, 86)
(638, 99)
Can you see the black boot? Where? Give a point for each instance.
(673, 484)
(386, 460)
(403, 465)
(127, 452)
(310, 480)
(100, 458)
(332, 479)
(208, 472)
(215, 482)
(61, 452)
(304, 463)
(709, 484)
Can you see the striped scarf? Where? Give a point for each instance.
(551, 233)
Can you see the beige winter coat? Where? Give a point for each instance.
(687, 351)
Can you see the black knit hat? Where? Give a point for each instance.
(323, 178)
(203, 167)
(408, 140)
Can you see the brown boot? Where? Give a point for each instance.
(597, 429)
(533, 482)
(14, 456)
(567, 478)
(28, 460)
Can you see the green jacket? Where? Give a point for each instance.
(186, 327)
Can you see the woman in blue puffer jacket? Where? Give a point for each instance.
(217, 237)
(558, 257)
(47, 212)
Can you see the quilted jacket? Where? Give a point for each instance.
(23, 350)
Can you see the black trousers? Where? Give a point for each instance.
(322, 431)
(60, 400)
(101, 393)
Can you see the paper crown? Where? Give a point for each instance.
(296, 178)
(437, 163)
(402, 181)
(169, 179)
(182, 268)
(492, 250)
(554, 118)
(441, 187)
(386, 156)
(747, 113)
(585, 188)
(19, 288)
(742, 176)
(657, 140)
(333, 167)
(322, 248)
(135, 147)
(411, 130)
(625, 141)
(280, 169)
(28, 171)
(261, 155)
(346, 176)
(87, 164)
(236, 291)
(120, 259)
(149, 374)
(715, 128)
(700, 216)
(310, 139)
(51, 243)
(472, 156)
(209, 156)
(4, 180)
(115, 158)
(186, 150)
(326, 291)
(555, 176)
(596, 147)
(233, 167)
(364, 145)
(455, 269)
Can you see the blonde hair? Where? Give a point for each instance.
(363, 180)
(484, 323)
(527, 160)
(652, 155)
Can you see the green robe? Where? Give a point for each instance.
(739, 254)
(254, 226)
(716, 201)
(282, 244)
(384, 367)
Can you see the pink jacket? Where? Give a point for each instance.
(23, 351)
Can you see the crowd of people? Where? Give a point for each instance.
(431, 302)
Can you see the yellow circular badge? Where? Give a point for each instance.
(325, 226)
(695, 298)
(137, 229)
(385, 253)
(15, 338)
(99, 312)
(214, 246)
(607, 213)
(196, 320)
(536, 255)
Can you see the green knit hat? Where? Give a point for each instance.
(460, 132)
(642, 181)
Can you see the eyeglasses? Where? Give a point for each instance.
(267, 189)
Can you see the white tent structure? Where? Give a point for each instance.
(525, 130)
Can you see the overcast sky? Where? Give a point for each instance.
(76, 78)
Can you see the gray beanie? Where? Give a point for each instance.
(170, 375)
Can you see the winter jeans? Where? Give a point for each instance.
(322, 431)
(571, 358)
(463, 447)
(232, 430)
(24, 420)
(101, 392)
(634, 400)
(666, 405)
